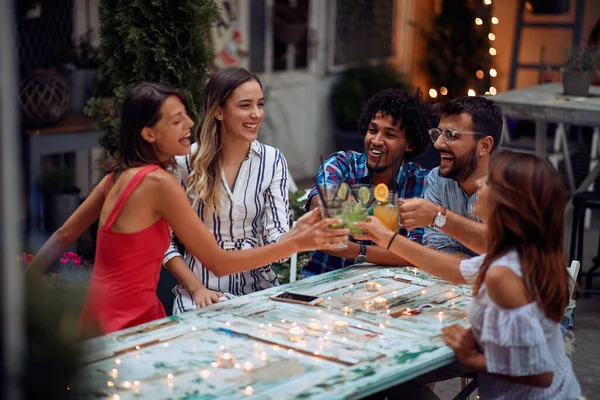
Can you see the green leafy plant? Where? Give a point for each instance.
(581, 58)
(146, 40)
(355, 87)
(455, 48)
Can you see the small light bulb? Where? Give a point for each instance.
(491, 36)
(471, 92)
(495, 20)
(493, 90)
(493, 72)
(492, 51)
(479, 74)
(443, 90)
(433, 93)
(487, 2)
(478, 21)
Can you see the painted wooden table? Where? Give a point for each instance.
(253, 346)
(546, 103)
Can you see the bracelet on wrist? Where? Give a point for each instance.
(391, 240)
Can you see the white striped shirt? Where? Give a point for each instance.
(254, 214)
(448, 193)
(516, 342)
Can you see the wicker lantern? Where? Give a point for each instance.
(44, 97)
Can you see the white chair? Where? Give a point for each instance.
(573, 272)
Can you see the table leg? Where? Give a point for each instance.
(541, 143)
(34, 198)
(594, 156)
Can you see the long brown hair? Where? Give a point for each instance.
(528, 216)
(204, 182)
(141, 108)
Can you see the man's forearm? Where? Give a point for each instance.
(471, 234)
(375, 255)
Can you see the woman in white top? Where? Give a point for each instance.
(520, 285)
(237, 185)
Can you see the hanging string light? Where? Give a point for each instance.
(492, 50)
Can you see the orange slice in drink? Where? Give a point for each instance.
(381, 193)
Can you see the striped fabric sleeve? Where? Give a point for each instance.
(173, 251)
(330, 173)
(277, 203)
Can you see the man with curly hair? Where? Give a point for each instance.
(393, 123)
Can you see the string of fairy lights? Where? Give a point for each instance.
(480, 74)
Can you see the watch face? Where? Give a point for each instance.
(440, 220)
(360, 259)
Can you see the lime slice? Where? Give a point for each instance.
(343, 191)
(359, 208)
(364, 195)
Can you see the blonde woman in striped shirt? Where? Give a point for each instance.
(237, 185)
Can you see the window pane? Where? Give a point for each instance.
(290, 27)
(363, 30)
(257, 36)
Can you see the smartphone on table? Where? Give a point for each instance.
(297, 298)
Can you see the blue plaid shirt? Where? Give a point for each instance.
(411, 183)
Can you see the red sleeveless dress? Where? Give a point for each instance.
(122, 290)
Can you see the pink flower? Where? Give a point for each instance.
(27, 259)
(72, 257)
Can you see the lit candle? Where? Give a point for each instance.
(226, 360)
(114, 373)
(263, 356)
(347, 310)
(410, 312)
(440, 317)
(372, 286)
(314, 326)
(380, 302)
(296, 334)
(205, 373)
(340, 326)
(248, 366)
(249, 391)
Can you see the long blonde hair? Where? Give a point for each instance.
(204, 182)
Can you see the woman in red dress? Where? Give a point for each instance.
(137, 203)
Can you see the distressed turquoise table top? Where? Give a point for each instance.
(178, 357)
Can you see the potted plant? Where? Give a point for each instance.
(81, 70)
(289, 23)
(175, 51)
(348, 95)
(61, 196)
(579, 70)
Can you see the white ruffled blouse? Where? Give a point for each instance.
(517, 342)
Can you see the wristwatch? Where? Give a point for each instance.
(362, 256)
(440, 218)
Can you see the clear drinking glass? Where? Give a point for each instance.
(387, 212)
(333, 207)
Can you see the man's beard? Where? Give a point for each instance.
(376, 169)
(463, 167)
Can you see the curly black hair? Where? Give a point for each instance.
(409, 109)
